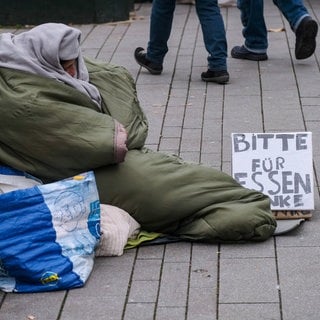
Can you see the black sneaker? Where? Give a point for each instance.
(221, 76)
(141, 59)
(306, 38)
(243, 53)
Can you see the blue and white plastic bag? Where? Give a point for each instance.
(48, 234)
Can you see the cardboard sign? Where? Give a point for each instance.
(276, 164)
(291, 214)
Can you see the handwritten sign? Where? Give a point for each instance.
(276, 164)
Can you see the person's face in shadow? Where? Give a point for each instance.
(70, 66)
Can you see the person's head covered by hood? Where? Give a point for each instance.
(51, 50)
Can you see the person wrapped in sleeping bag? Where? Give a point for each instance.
(62, 114)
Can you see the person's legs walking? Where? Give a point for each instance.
(293, 10)
(302, 24)
(160, 29)
(214, 36)
(254, 31)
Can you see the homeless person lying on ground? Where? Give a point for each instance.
(62, 114)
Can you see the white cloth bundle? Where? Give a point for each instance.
(116, 227)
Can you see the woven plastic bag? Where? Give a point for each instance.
(48, 234)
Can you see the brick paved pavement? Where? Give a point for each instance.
(278, 279)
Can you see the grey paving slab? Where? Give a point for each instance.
(104, 294)
(174, 116)
(143, 291)
(253, 311)
(171, 131)
(147, 270)
(310, 112)
(203, 290)
(191, 140)
(174, 284)
(190, 156)
(139, 311)
(178, 252)
(281, 96)
(246, 280)
(299, 282)
(211, 159)
(202, 303)
(249, 250)
(292, 121)
(44, 306)
(151, 252)
(169, 144)
(165, 313)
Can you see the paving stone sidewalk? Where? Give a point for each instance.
(278, 279)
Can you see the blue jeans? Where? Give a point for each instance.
(254, 27)
(214, 34)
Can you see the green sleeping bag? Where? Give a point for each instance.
(52, 131)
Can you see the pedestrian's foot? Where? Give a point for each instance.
(306, 38)
(243, 53)
(140, 56)
(221, 76)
